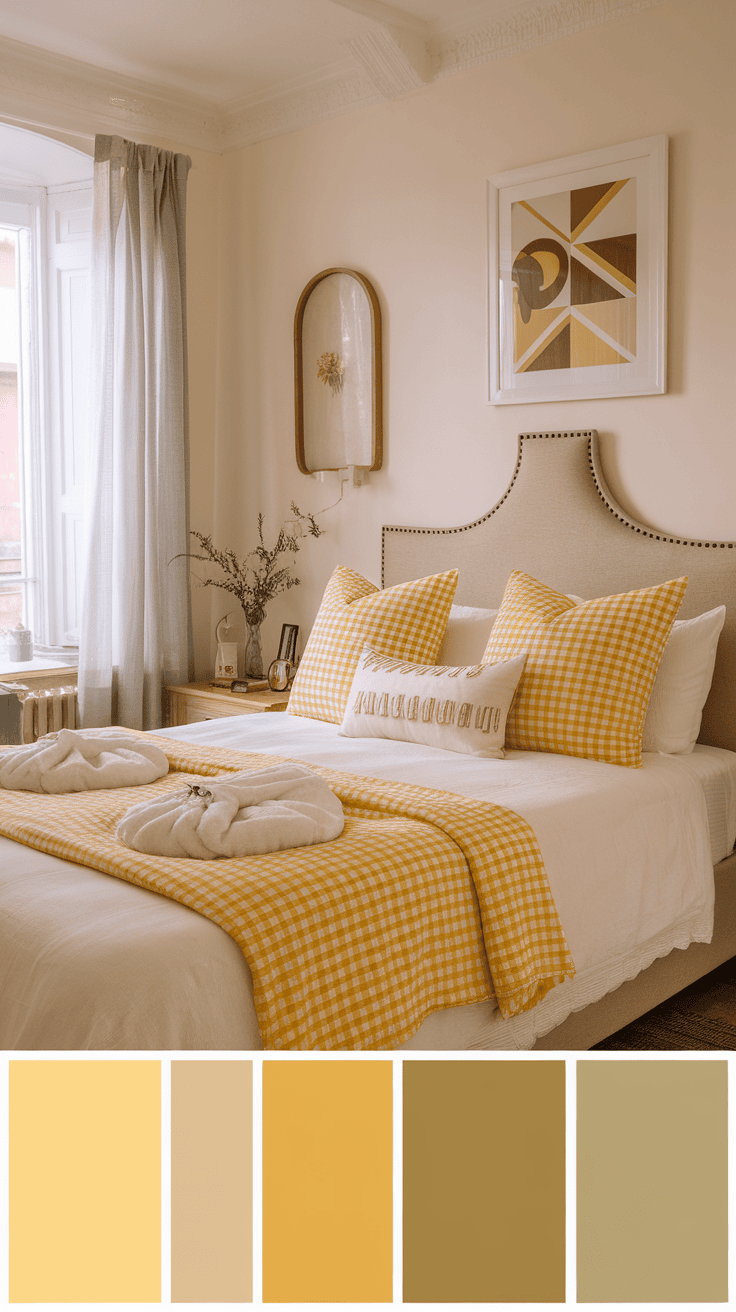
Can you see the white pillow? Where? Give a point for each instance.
(675, 709)
(460, 708)
(466, 635)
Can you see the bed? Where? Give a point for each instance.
(91, 962)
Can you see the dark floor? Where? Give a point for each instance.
(700, 1018)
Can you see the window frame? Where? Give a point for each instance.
(52, 405)
(24, 210)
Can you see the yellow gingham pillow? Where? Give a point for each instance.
(589, 669)
(407, 621)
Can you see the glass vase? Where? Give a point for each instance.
(253, 656)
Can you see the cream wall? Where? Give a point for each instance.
(398, 191)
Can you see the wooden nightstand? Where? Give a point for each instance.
(188, 703)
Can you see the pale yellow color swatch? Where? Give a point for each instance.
(211, 1182)
(327, 1181)
(85, 1181)
(652, 1192)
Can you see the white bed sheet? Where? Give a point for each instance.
(89, 961)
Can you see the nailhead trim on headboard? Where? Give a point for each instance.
(597, 476)
(621, 516)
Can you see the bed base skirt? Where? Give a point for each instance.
(660, 981)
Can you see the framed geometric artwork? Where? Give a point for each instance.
(578, 276)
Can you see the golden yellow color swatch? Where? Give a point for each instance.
(327, 1181)
(484, 1181)
(652, 1192)
(211, 1181)
(85, 1181)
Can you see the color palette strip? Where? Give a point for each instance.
(483, 1168)
(85, 1181)
(484, 1181)
(211, 1182)
(652, 1187)
(327, 1182)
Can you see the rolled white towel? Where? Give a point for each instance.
(237, 815)
(74, 760)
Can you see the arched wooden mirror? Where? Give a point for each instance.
(337, 373)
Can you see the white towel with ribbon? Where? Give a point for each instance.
(237, 815)
(74, 760)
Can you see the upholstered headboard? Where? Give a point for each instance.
(559, 522)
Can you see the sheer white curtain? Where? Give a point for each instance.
(135, 631)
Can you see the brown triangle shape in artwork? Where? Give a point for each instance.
(587, 288)
(584, 200)
(554, 356)
(619, 252)
(526, 334)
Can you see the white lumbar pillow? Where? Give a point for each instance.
(680, 690)
(459, 708)
(466, 636)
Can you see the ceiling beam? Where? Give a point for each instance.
(385, 14)
(396, 62)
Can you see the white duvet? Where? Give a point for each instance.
(88, 961)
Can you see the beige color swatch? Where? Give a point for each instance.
(652, 1200)
(85, 1181)
(211, 1181)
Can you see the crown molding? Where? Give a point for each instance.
(458, 48)
(63, 94)
(334, 97)
(54, 91)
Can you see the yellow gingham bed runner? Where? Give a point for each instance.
(351, 944)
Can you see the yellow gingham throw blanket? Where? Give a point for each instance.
(351, 944)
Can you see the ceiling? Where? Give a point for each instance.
(226, 72)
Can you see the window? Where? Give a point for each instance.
(44, 345)
(15, 601)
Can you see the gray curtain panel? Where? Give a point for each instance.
(135, 632)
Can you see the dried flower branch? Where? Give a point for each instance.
(330, 368)
(255, 584)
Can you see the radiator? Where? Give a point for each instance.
(32, 712)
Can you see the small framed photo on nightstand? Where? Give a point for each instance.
(287, 645)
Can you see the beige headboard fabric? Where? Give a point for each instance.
(559, 522)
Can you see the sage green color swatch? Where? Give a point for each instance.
(652, 1181)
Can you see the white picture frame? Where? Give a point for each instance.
(592, 221)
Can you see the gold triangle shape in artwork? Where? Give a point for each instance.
(617, 319)
(587, 202)
(525, 334)
(586, 348)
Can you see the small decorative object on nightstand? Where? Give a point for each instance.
(280, 674)
(190, 703)
(226, 661)
(281, 671)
